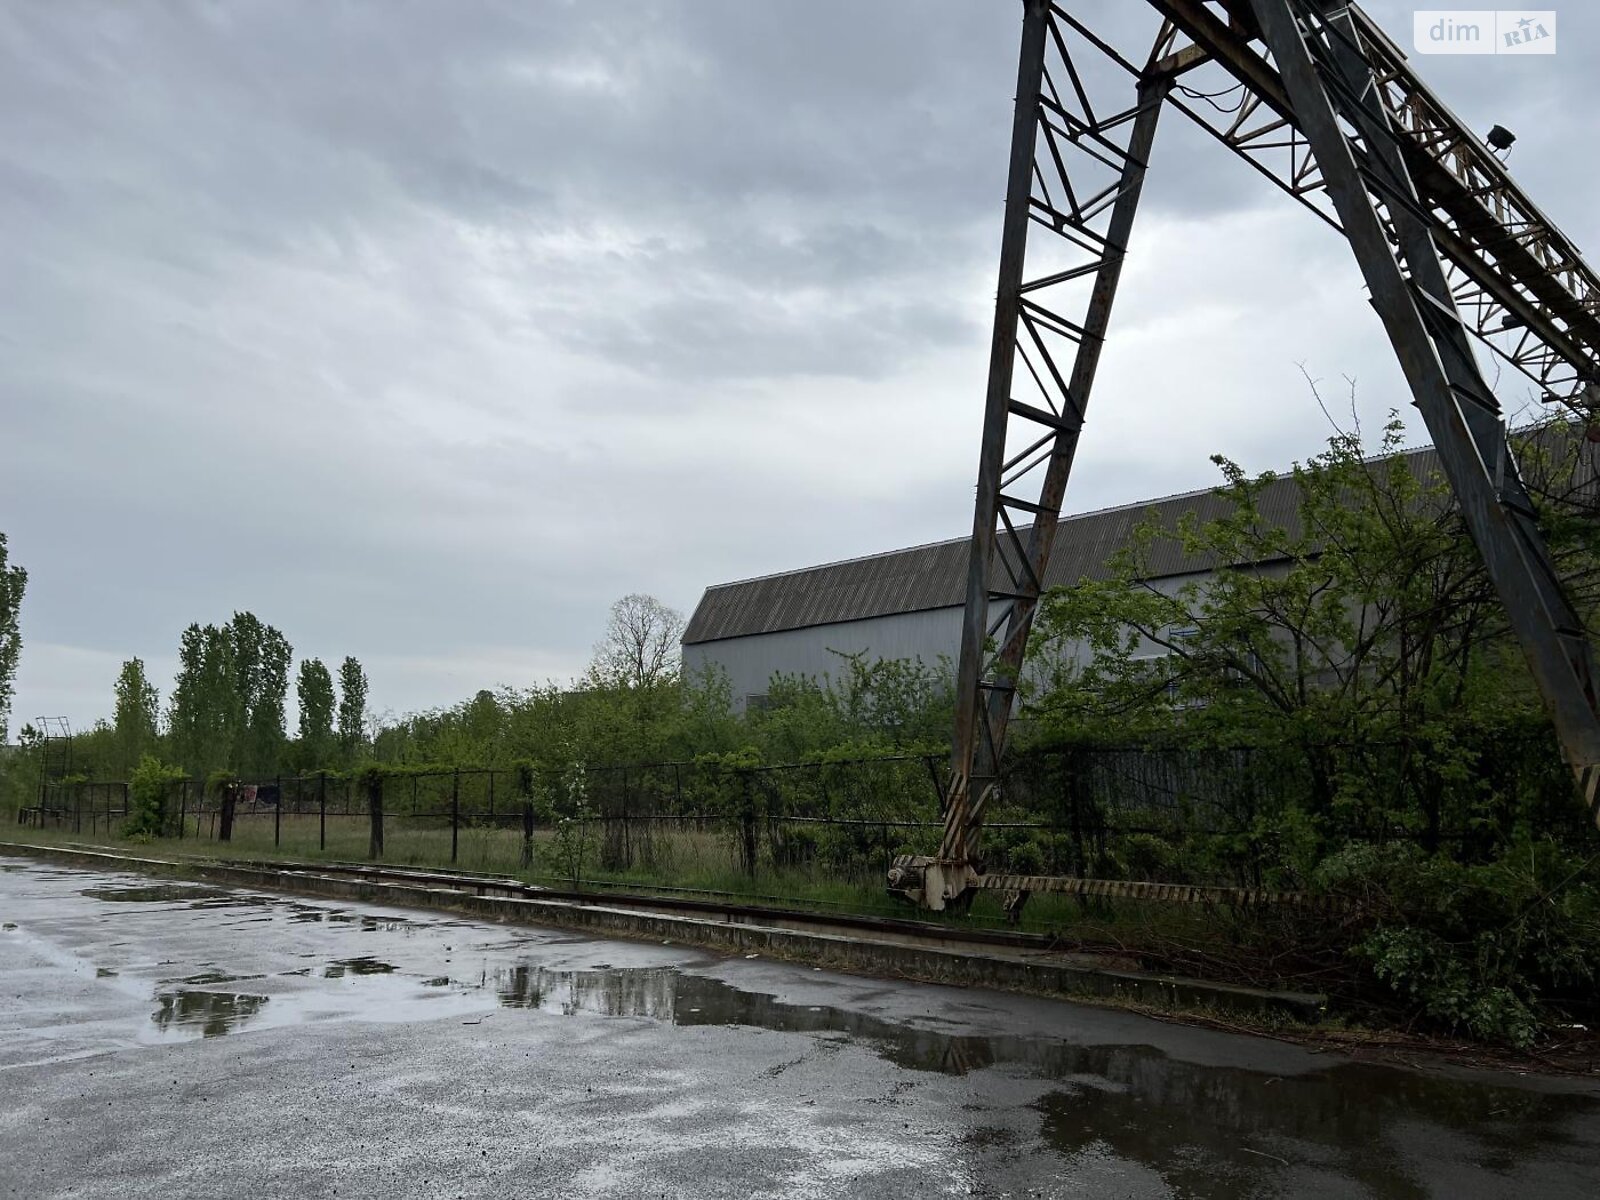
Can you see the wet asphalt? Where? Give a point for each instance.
(177, 1040)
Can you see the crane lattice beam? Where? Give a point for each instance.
(1317, 99)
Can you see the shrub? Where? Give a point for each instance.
(1027, 858)
(1152, 858)
(1474, 948)
(565, 805)
(148, 789)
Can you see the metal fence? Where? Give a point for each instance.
(1207, 816)
(93, 808)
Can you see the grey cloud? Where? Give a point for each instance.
(425, 330)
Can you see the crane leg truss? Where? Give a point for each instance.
(1317, 99)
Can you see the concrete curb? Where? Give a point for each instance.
(1022, 971)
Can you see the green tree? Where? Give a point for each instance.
(872, 706)
(13, 582)
(261, 656)
(229, 697)
(352, 706)
(630, 693)
(138, 709)
(1366, 617)
(201, 716)
(1355, 645)
(314, 690)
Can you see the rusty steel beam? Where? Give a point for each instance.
(1329, 77)
(1324, 105)
(1529, 295)
(992, 452)
(1076, 171)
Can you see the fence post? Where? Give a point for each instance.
(627, 833)
(277, 814)
(455, 811)
(77, 808)
(225, 820)
(183, 807)
(375, 811)
(525, 786)
(322, 810)
(747, 822)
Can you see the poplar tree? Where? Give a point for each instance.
(13, 581)
(352, 706)
(314, 690)
(138, 706)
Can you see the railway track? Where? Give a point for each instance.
(710, 907)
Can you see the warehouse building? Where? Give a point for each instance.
(907, 604)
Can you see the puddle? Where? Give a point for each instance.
(385, 997)
(386, 925)
(1352, 1111)
(364, 965)
(157, 893)
(206, 1014)
(302, 914)
(1206, 1130)
(211, 977)
(1118, 1093)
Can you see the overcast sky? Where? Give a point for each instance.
(426, 330)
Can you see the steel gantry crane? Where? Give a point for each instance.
(1316, 98)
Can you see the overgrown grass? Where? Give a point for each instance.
(688, 863)
(1330, 953)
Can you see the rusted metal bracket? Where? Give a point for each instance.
(932, 884)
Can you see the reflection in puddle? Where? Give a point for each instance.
(384, 925)
(1208, 1131)
(211, 977)
(1214, 1131)
(228, 900)
(1205, 1130)
(159, 892)
(208, 1014)
(363, 965)
(303, 913)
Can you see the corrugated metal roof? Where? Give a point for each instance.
(934, 576)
